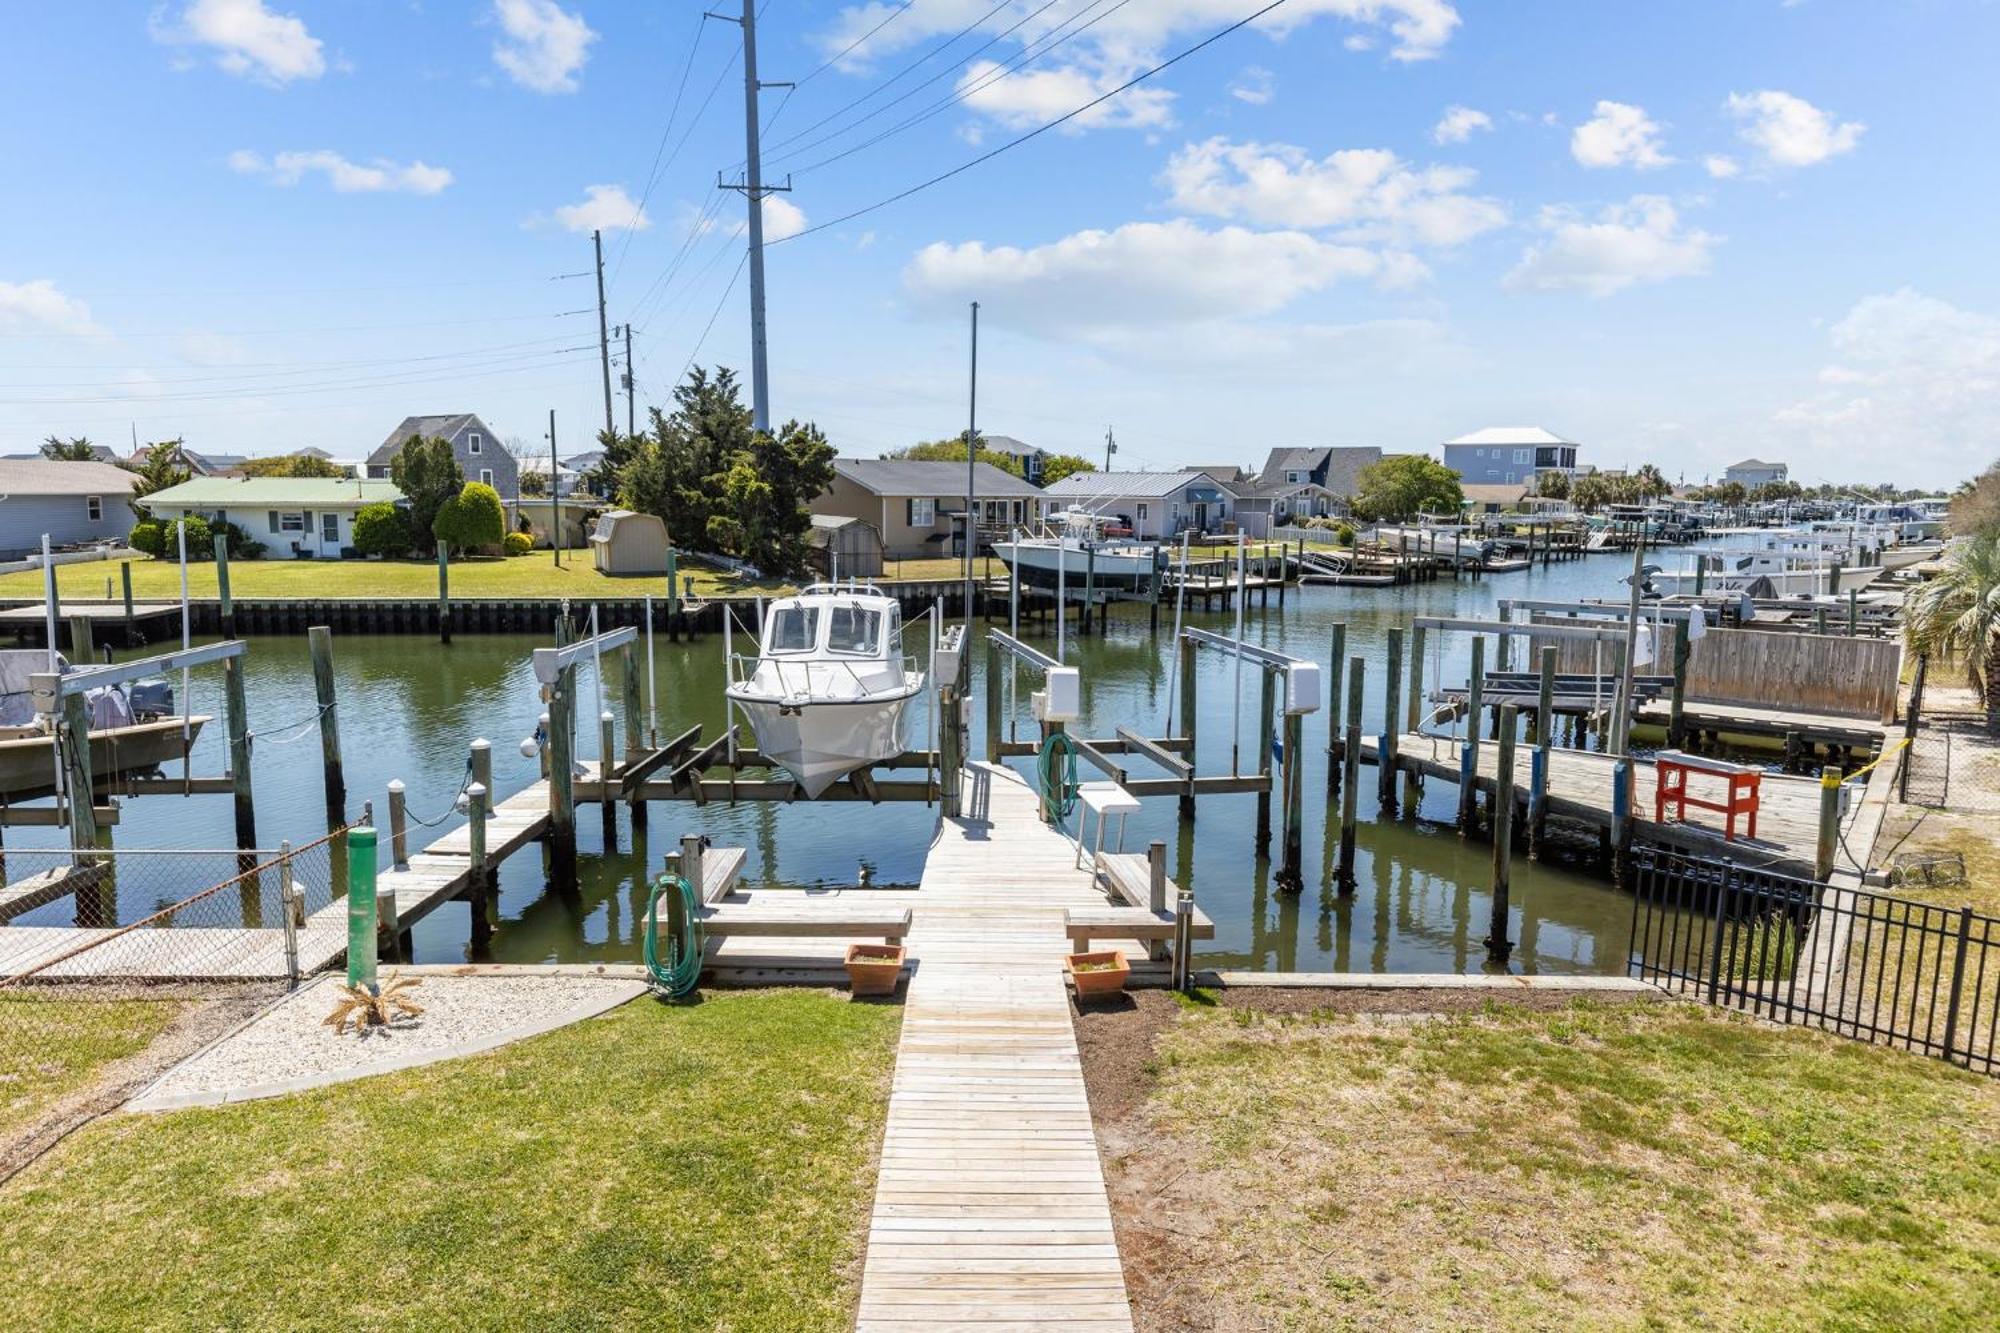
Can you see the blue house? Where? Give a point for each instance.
(1506, 455)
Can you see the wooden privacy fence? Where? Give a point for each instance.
(1807, 673)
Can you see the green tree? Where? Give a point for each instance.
(1057, 466)
(471, 519)
(76, 449)
(1553, 485)
(680, 465)
(1651, 483)
(427, 475)
(1957, 616)
(292, 465)
(157, 471)
(776, 517)
(951, 449)
(1405, 486)
(1975, 507)
(601, 478)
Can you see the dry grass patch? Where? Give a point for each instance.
(1596, 1166)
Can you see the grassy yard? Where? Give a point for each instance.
(700, 1167)
(533, 575)
(1607, 1167)
(51, 1047)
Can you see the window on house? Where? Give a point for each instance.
(472, 442)
(1294, 478)
(1479, 453)
(486, 475)
(922, 513)
(1142, 513)
(94, 507)
(291, 522)
(1523, 455)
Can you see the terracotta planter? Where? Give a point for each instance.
(1098, 980)
(874, 969)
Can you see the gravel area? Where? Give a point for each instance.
(289, 1048)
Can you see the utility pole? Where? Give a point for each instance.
(972, 476)
(630, 418)
(1110, 448)
(555, 500)
(603, 332)
(754, 190)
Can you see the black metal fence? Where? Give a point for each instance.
(1881, 969)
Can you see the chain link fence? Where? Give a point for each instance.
(111, 962)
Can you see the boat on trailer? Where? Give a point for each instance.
(826, 690)
(1075, 544)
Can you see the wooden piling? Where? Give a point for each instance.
(1545, 732)
(1620, 833)
(562, 780)
(1264, 696)
(1829, 823)
(633, 705)
(1350, 800)
(1468, 790)
(1291, 872)
(444, 593)
(82, 643)
(225, 604)
(1414, 709)
(1156, 893)
(399, 824)
(1391, 715)
(1498, 946)
(1336, 662)
(238, 720)
(77, 776)
(125, 580)
(319, 644)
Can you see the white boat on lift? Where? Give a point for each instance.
(826, 690)
(1075, 541)
(133, 730)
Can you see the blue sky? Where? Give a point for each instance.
(1683, 233)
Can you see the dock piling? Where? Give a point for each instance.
(1336, 661)
(1264, 737)
(361, 920)
(562, 780)
(399, 827)
(1829, 823)
(225, 605)
(1188, 716)
(239, 751)
(1538, 769)
(1498, 946)
(77, 775)
(444, 593)
(1156, 895)
(1621, 818)
(319, 642)
(1386, 776)
(1475, 717)
(1350, 799)
(1414, 707)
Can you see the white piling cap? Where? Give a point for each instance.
(481, 743)
(606, 716)
(396, 786)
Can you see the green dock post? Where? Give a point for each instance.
(361, 908)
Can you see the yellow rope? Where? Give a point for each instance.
(1863, 770)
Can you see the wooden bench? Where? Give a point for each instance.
(807, 921)
(1084, 924)
(1670, 790)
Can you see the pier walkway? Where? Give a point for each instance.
(990, 1205)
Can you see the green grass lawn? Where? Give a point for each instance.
(702, 1167)
(51, 1047)
(1644, 1166)
(533, 575)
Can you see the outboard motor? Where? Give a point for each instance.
(152, 699)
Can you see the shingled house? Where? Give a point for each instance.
(480, 455)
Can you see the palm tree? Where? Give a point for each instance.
(1957, 615)
(1652, 482)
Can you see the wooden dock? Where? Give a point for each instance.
(990, 1207)
(1580, 788)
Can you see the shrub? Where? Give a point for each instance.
(242, 545)
(519, 543)
(1344, 534)
(471, 519)
(382, 529)
(147, 538)
(200, 539)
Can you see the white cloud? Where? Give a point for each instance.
(1458, 123)
(1369, 191)
(1140, 275)
(1790, 131)
(346, 177)
(39, 306)
(1255, 85)
(1915, 382)
(1721, 166)
(1035, 97)
(607, 208)
(247, 38)
(545, 45)
(1618, 135)
(1639, 241)
(782, 218)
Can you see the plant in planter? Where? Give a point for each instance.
(874, 969)
(1102, 972)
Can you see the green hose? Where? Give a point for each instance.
(1057, 771)
(684, 948)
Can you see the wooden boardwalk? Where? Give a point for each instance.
(990, 1208)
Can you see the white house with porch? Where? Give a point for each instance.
(295, 517)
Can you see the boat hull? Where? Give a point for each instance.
(1037, 563)
(27, 763)
(821, 741)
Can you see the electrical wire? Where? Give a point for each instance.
(673, 114)
(1039, 130)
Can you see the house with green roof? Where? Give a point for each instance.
(295, 517)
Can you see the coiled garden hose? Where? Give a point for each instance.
(684, 946)
(1056, 768)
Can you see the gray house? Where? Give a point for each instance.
(74, 503)
(1336, 469)
(478, 451)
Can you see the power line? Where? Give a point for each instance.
(1039, 130)
(714, 315)
(848, 50)
(673, 114)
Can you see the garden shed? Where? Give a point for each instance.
(848, 548)
(627, 542)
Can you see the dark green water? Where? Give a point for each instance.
(409, 706)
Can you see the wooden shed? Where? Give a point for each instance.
(626, 542)
(848, 548)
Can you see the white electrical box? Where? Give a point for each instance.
(1302, 687)
(1038, 705)
(1064, 688)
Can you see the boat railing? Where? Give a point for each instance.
(743, 669)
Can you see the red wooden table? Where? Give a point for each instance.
(1673, 767)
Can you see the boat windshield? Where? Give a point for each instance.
(853, 629)
(794, 629)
